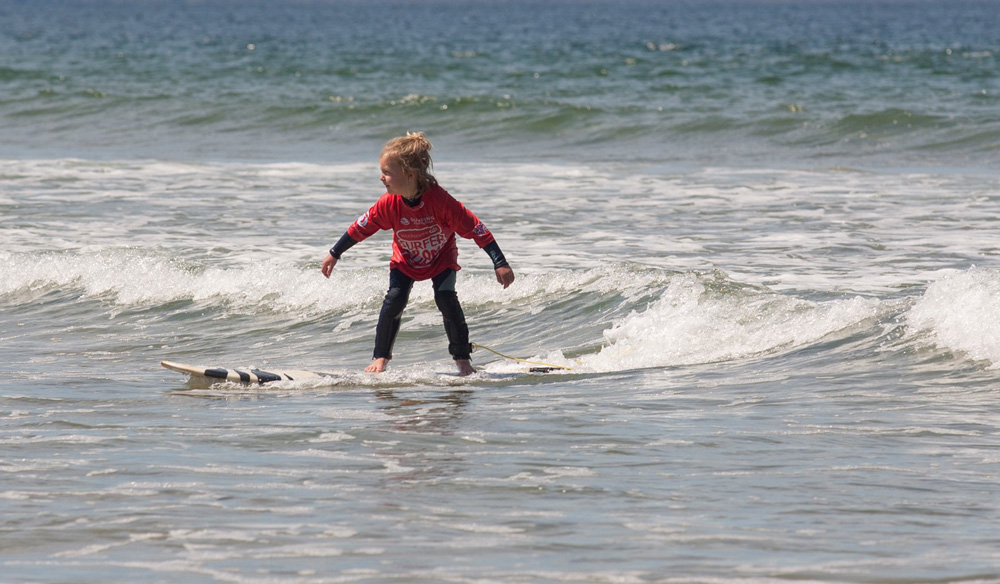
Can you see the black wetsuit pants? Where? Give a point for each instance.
(446, 299)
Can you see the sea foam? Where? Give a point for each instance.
(959, 312)
(699, 319)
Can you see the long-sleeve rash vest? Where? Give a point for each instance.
(423, 238)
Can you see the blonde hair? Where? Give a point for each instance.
(413, 153)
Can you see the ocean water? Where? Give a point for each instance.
(760, 235)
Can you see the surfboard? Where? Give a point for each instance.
(245, 375)
(259, 376)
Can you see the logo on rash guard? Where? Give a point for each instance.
(363, 220)
(480, 229)
(420, 246)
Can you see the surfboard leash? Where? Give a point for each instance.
(541, 369)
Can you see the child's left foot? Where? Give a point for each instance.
(377, 365)
(464, 367)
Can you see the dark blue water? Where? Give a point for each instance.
(703, 83)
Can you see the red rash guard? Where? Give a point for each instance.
(423, 236)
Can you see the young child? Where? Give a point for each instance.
(424, 219)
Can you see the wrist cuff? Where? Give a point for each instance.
(346, 242)
(493, 250)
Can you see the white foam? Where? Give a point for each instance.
(331, 437)
(699, 320)
(216, 233)
(130, 277)
(959, 312)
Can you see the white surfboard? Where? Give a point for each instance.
(260, 376)
(245, 375)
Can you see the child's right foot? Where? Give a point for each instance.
(377, 366)
(464, 367)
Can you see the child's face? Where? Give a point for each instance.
(396, 181)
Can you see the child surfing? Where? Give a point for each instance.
(424, 220)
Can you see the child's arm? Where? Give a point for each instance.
(467, 225)
(361, 229)
(346, 242)
(505, 275)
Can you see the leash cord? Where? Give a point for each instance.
(495, 352)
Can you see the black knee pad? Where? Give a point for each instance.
(447, 303)
(395, 301)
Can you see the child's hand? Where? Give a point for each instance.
(505, 276)
(329, 261)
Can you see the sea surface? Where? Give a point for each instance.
(761, 237)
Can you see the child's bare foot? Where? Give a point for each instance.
(464, 367)
(378, 365)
